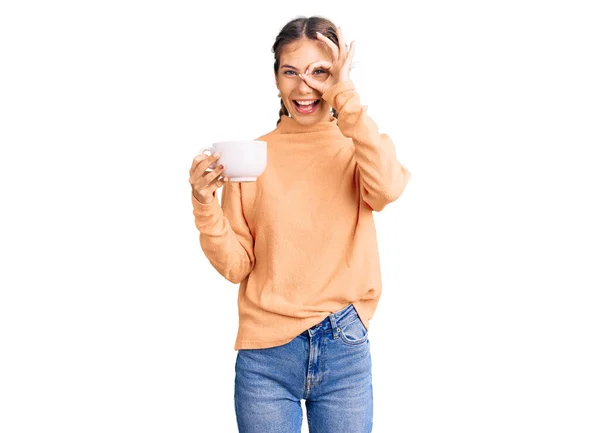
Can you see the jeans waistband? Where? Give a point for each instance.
(334, 320)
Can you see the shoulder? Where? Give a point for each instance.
(268, 135)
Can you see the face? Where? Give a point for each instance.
(295, 59)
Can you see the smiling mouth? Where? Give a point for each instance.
(307, 108)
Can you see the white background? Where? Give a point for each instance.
(113, 320)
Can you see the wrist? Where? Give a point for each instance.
(202, 199)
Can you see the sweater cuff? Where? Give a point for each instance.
(330, 94)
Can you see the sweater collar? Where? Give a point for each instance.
(289, 125)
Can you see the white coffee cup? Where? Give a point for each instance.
(244, 160)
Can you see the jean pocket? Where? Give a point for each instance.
(354, 332)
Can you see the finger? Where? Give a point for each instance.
(204, 162)
(201, 180)
(216, 174)
(331, 45)
(214, 182)
(318, 64)
(343, 50)
(311, 82)
(348, 61)
(207, 162)
(208, 176)
(197, 160)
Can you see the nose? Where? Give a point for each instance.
(303, 87)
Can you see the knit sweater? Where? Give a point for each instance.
(301, 240)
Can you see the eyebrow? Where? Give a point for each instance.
(291, 67)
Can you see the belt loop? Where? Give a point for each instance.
(334, 327)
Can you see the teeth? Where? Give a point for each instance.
(306, 102)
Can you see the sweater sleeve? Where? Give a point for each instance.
(224, 234)
(382, 177)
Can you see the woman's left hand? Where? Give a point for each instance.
(339, 70)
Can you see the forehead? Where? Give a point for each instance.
(304, 52)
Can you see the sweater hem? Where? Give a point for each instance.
(259, 344)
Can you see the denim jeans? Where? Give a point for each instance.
(328, 365)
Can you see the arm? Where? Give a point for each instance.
(224, 234)
(382, 177)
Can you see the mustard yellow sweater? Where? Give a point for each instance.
(301, 240)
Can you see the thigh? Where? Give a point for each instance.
(343, 401)
(267, 383)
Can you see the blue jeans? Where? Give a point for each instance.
(328, 365)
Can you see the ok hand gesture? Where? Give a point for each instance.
(339, 70)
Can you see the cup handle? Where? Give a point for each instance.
(211, 150)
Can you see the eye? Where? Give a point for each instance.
(286, 72)
(320, 70)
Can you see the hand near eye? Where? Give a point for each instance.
(339, 71)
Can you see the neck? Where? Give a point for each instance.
(289, 125)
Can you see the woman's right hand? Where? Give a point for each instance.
(205, 183)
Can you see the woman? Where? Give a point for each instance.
(301, 242)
